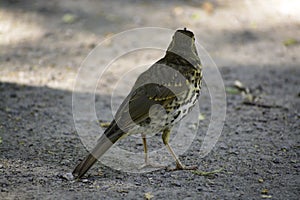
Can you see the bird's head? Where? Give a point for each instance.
(183, 41)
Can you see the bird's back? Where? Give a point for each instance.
(162, 95)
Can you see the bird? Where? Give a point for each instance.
(161, 96)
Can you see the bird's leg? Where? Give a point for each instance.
(145, 148)
(179, 165)
(166, 138)
(147, 163)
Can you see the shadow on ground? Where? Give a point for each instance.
(258, 149)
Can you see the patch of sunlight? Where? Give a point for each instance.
(290, 8)
(44, 76)
(275, 10)
(15, 28)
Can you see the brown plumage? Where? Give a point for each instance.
(173, 83)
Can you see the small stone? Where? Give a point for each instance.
(13, 95)
(137, 183)
(260, 180)
(177, 184)
(276, 161)
(67, 176)
(85, 180)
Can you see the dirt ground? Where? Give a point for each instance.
(42, 44)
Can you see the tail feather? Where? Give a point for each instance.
(84, 166)
(111, 135)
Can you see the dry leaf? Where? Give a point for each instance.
(208, 7)
(266, 196)
(177, 10)
(69, 18)
(265, 191)
(148, 196)
(104, 124)
(202, 173)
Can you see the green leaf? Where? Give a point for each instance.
(232, 90)
(195, 16)
(69, 18)
(201, 117)
(290, 42)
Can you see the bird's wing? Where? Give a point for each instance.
(158, 85)
(147, 96)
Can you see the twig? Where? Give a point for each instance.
(262, 105)
(202, 173)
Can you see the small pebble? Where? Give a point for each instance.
(276, 161)
(85, 180)
(13, 95)
(176, 184)
(67, 176)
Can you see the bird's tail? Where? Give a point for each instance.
(110, 136)
(84, 166)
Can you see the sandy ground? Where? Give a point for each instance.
(42, 45)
